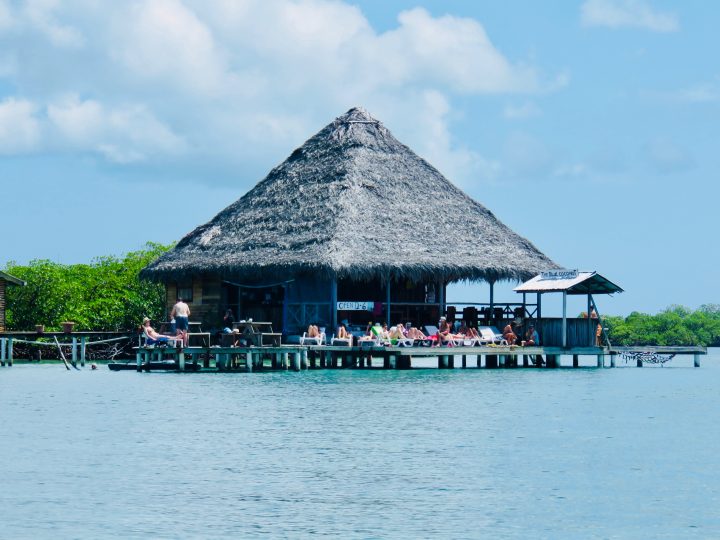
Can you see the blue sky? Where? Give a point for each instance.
(590, 127)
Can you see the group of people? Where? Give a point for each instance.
(445, 334)
(531, 335)
(179, 317)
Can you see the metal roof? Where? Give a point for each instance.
(11, 279)
(569, 281)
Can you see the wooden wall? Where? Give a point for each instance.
(2, 305)
(205, 305)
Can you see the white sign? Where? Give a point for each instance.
(355, 306)
(559, 274)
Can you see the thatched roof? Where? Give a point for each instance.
(354, 202)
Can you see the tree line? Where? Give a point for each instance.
(106, 294)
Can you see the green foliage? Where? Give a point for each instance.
(104, 295)
(677, 325)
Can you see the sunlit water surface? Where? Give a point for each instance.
(523, 453)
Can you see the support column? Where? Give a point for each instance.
(612, 359)
(478, 359)
(564, 324)
(441, 297)
(464, 361)
(491, 361)
(2, 351)
(576, 360)
(492, 300)
(249, 361)
(138, 360)
(387, 299)
(443, 361)
(83, 340)
(10, 351)
(639, 362)
(525, 361)
(591, 333)
(181, 360)
(73, 353)
(538, 313)
(333, 305)
(284, 360)
(696, 360)
(304, 359)
(600, 360)
(296, 361)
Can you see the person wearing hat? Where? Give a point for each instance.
(531, 336)
(444, 335)
(151, 336)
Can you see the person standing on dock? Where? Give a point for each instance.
(181, 313)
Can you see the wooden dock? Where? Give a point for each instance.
(298, 357)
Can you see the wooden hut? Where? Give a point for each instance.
(5, 280)
(353, 225)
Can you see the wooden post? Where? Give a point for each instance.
(564, 324)
(333, 307)
(181, 360)
(249, 361)
(284, 360)
(492, 300)
(612, 359)
(387, 315)
(73, 352)
(600, 360)
(639, 362)
(304, 359)
(10, 351)
(2, 352)
(443, 361)
(538, 311)
(576, 360)
(83, 339)
(296, 361)
(138, 360)
(464, 361)
(696, 360)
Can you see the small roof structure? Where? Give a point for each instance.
(354, 202)
(11, 279)
(570, 282)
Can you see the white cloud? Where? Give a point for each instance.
(19, 126)
(522, 111)
(666, 156)
(244, 81)
(41, 15)
(627, 13)
(122, 135)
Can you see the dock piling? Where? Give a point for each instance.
(181, 360)
(9, 358)
(601, 360)
(612, 359)
(2, 352)
(696, 360)
(576, 360)
(83, 341)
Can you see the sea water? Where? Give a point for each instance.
(521, 453)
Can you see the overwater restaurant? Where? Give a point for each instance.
(352, 226)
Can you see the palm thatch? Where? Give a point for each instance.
(354, 202)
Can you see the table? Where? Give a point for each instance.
(258, 332)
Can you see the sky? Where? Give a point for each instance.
(589, 127)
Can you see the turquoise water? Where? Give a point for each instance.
(586, 453)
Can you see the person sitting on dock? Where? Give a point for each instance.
(151, 336)
(342, 333)
(509, 333)
(398, 331)
(532, 338)
(444, 334)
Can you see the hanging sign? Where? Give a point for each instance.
(559, 274)
(355, 306)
